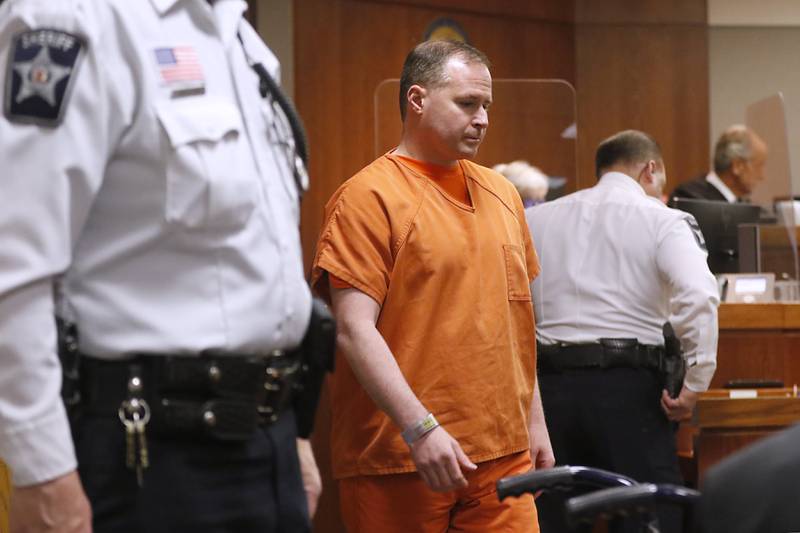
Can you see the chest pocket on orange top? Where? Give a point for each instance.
(206, 184)
(516, 273)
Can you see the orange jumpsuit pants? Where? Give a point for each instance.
(403, 503)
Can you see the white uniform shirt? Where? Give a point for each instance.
(171, 215)
(618, 263)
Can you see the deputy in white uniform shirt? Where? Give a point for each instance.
(147, 179)
(617, 264)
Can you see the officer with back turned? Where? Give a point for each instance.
(616, 265)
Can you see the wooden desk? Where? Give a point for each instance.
(725, 424)
(750, 317)
(756, 341)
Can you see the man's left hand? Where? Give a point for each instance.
(541, 449)
(312, 482)
(539, 438)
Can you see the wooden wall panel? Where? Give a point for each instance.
(548, 11)
(636, 72)
(639, 12)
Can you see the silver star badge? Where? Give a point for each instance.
(39, 77)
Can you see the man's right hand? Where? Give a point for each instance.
(440, 459)
(680, 408)
(56, 506)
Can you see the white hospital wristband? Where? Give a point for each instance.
(414, 432)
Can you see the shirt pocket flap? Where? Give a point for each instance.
(207, 185)
(186, 121)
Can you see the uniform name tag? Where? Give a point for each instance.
(41, 70)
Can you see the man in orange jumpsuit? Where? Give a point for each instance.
(427, 259)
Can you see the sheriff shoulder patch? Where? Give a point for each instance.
(41, 70)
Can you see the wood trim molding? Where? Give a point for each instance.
(759, 316)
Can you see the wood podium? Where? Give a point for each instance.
(728, 420)
(756, 342)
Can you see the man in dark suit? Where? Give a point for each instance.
(739, 159)
(755, 490)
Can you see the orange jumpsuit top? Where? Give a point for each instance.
(452, 280)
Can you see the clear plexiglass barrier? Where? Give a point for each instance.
(777, 248)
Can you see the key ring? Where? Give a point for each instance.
(135, 408)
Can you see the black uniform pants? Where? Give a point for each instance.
(609, 419)
(193, 485)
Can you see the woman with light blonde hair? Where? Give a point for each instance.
(530, 182)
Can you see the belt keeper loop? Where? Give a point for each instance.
(135, 385)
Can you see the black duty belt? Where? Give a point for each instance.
(605, 353)
(221, 396)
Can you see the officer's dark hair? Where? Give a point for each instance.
(425, 64)
(626, 147)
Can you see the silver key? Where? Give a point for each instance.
(134, 415)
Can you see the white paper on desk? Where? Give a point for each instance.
(741, 394)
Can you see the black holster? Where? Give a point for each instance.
(673, 366)
(317, 352)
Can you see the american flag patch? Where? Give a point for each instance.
(179, 65)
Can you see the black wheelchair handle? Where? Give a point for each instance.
(562, 478)
(610, 502)
(677, 494)
(534, 481)
(638, 499)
